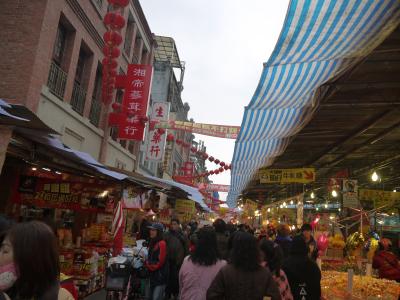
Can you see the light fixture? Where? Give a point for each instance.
(103, 194)
(316, 208)
(380, 222)
(284, 204)
(326, 205)
(268, 210)
(293, 227)
(334, 194)
(312, 195)
(154, 217)
(256, 212)
(46, 169)
(339, 209)
(58, 172)
(394, 191)
(331, 217)
(291, 202)
(241, 205)
(374, 176)
(34, 169)
(281, 206)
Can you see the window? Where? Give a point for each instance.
(129, 35)
(95, 108)
(59, 44)
(80, 66)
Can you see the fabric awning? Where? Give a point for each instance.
(320, 40)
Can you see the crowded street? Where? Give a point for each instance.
(200, 150)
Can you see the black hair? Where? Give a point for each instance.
(40, 272)
(176, 220)
(206, 251)
(245, 254)
(159, 237)
(219, 225)
(273, 255)
(299, 246)
(306, 227)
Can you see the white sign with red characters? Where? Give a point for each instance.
(135, 102)
(156, 137)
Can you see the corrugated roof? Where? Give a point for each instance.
(166, 51)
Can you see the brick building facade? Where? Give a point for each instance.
(50, 61)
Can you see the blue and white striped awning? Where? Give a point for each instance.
(320, 40)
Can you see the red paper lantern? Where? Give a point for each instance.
(216, 172)
(121, 3)
(211, 172)
(170, 137)
(211, 158)
(110, 63)
(111, 52)
(226, 167)
(205, 155)
(193, 149)
(179, 142)
(115, 21)
(112, 38)
(217, 161)
(222, 164)
(221, 169)
(116, 106)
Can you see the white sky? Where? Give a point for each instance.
(224, 44)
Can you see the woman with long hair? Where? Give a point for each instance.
(243, 277)
(30, 249)
(157, 263)
(199, 269)
(272, 257)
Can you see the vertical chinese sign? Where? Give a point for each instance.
(156, 137)
(132, 116)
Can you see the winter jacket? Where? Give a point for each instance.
(222, 245)
(234, 284)
(387, 264)
(304, 277)
(285, 243)
(157, 264)
(177, 245)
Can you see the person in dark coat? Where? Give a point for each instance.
(178, 248)
(244, 277)
(302, 272)
(283, 239)
(222, 238)
(306, 231)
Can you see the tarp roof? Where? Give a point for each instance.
(320, 40)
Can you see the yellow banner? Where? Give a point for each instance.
(379, 197)
(185, 209)
(282, 176)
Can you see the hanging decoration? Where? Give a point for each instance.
(114, 21)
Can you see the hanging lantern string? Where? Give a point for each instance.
(223, 166)
(114, 22)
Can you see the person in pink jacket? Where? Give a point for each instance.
(199, 269)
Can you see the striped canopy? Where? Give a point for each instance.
(319, 41)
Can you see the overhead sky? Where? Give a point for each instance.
(224, 44)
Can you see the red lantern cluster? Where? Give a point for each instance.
(222, 165)
(114, 22)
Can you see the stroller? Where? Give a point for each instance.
(126, 274)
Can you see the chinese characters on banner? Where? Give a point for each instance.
(185, 209)
(135, 102)
(228, 132)
(156, 138)
(217, 188)
(282, 176)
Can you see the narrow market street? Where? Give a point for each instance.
(143, 155)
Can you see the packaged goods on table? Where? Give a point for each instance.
(334, 286)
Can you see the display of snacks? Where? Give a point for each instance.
(334, 286)
(83, 263)
(66, 258)
(65, 238)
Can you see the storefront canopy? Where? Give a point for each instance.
(320, 40)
